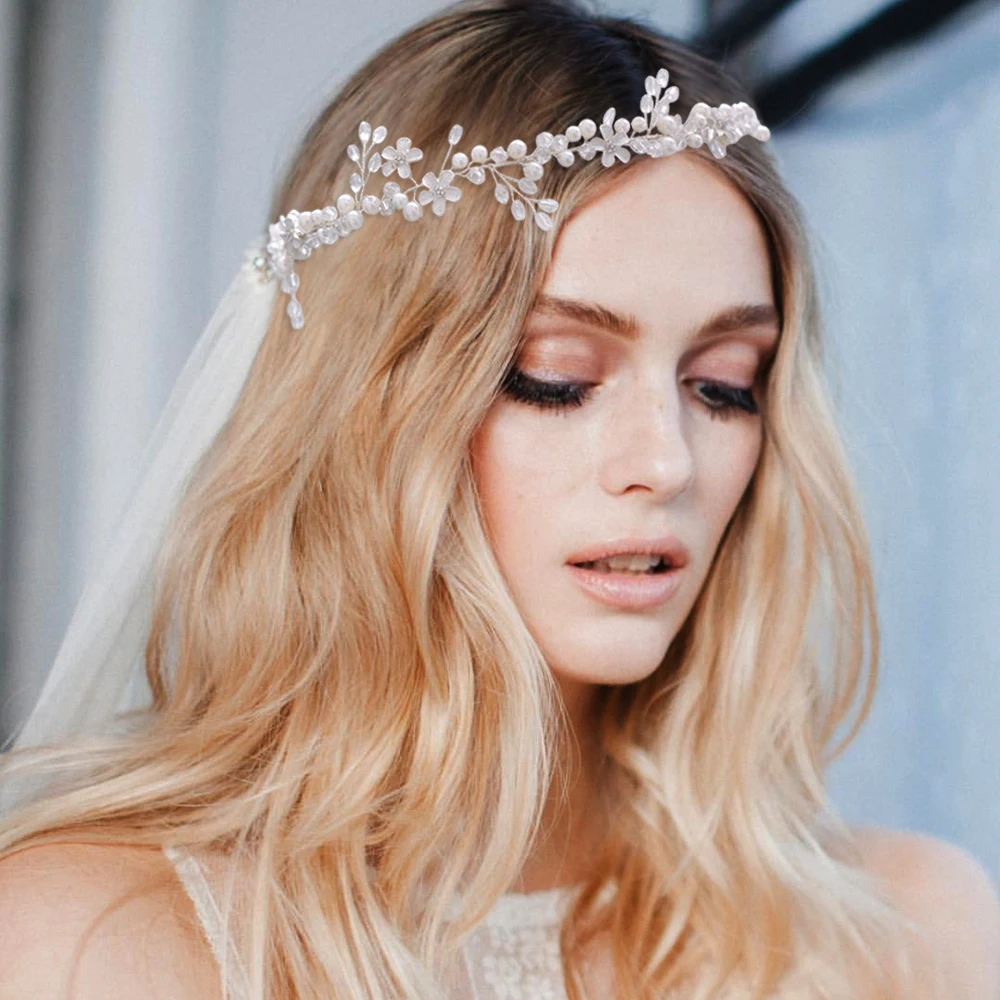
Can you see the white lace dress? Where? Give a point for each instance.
(512, 955)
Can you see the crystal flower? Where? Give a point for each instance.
(439, 190)
(399, 158)
(613, 141)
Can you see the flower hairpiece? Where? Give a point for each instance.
(295, 235)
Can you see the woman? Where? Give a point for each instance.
(414, 724)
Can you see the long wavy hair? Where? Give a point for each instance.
(346, 701)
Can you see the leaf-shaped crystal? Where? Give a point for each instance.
(501, 193)
(354, 153)
(380, 134)
(374, 162)
(356, 183)
(517, 209)
(364, 131)
(543, 221)
(651, 85)
(549, 205)
(663, 78)
(527, 185)
(609, 117)
(455, 135)
(646, 104)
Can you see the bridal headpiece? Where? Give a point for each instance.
(295, 235)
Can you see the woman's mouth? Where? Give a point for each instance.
(642, 583)
(628, 564)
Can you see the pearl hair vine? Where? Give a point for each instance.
(295, 235)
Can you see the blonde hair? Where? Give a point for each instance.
(345, 696)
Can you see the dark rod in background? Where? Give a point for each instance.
(783, 97)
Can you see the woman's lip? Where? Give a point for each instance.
(671, 548)
(627, 590)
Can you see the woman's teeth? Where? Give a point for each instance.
(627, 564)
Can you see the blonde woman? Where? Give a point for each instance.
(496, 643)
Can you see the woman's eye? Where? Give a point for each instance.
(723, 400)
(556, 396)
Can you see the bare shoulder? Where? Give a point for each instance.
(948, 893)
(99, 921)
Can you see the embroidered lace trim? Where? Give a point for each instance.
(512, 955)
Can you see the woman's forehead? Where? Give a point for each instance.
(673, 237)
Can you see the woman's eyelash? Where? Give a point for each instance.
(721, 400)
(724, 400)
(548, 395)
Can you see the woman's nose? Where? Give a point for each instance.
(646, 445)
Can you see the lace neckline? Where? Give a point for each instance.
(541, 908)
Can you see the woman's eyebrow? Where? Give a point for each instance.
(728, 320)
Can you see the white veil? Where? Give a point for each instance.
(98, 671)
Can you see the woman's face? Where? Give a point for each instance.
(665, 437)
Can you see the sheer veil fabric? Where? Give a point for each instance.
(98, 671)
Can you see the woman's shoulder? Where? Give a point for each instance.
(949, 894)
(99, 921)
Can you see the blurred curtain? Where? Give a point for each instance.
(112, 173)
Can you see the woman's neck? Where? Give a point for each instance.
(572, 829)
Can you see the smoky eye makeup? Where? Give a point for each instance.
(721, 400)
(717, 388)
